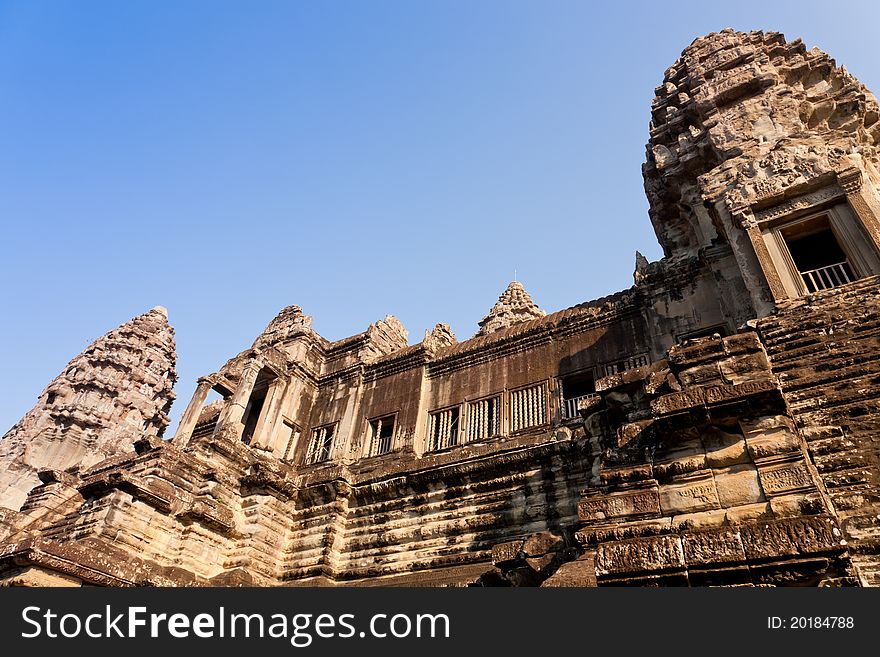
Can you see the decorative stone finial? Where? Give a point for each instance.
(513, 306)
(441, 336)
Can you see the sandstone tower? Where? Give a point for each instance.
(714, 424)
(113, 393)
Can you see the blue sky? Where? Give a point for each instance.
(226, 159)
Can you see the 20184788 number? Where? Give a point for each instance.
(810, 623)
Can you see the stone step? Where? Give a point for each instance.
(848, 460)
(823, 373)
(846, 478)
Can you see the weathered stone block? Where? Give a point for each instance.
(643, 554)
(543, 543)
(791, 536)
(785, 478)
(678, 401)
(744, 368)
(580, 573)
(742, 343)
(724, 449)
(701, 375)
(620, 505)
(616, 476)
(506, 552)
(738, 485)
(680, 466)
(696, 493)
(771, 443)
(713, 546)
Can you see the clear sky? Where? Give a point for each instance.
(360, 158)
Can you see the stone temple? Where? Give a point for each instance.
(718, 423)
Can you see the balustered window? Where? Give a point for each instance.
(483, 419)
(443, 428)
(815, 252)
(528, 407)
(321, 444)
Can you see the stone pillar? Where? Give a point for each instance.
(264, 432)
(192, 412)
(230, 418)
(765, 260)
(748, 245)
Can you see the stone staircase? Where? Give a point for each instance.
(825, 349)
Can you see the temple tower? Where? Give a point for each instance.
(116, 391)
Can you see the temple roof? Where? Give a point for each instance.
(513, 306)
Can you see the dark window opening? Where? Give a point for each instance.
(252, 414)
(818, 256)
(255, 406)
(50, 398)
(381, 434)
(577, 390)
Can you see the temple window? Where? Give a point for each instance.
(577, 390)
(818, 251)
(381, 435)
(483, 419)
(321, 444)
(528, 407)
(443, 429)
(820, 261)
(254, 409)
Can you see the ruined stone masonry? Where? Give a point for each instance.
(716, 424)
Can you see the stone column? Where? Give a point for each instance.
(750, 254)
(230, 418)
(192, 412)
(266, 424)
(764, 259)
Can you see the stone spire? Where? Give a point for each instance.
(514, 306)
(291, 321)
(742, 120)
(117, 390)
